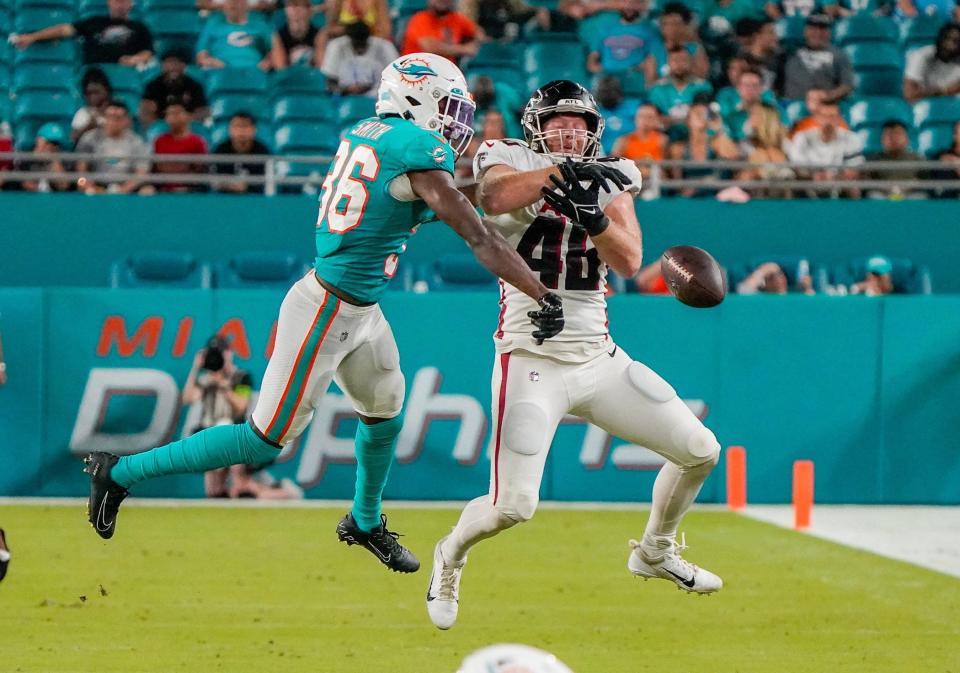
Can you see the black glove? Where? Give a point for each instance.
(600, 172)
(579, 203)
(549, 319)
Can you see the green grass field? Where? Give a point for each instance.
(202, 590)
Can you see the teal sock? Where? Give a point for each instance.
(209, 449)
(375, 445)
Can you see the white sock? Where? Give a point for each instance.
(673, 492)
(479, 520)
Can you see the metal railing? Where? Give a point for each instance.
(277, 173)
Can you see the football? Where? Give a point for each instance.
(693, 276)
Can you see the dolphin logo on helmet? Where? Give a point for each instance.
(414, 71)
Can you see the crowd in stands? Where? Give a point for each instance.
(786, 87)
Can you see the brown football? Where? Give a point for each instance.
(693, 276)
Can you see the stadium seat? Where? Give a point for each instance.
(151, 6)
(551, 56)
(33, 19)
(25, 136)
(864, 28)
(5, 83)
(354, 108)
(536, 80)
(6, 23)
(42, 106)
(870, 137)
(221, 131)
(303, 107)
(225, 105)
(495, 53)
(498, 73)
(933, 141)
(877, 69)
(307, 138)
(43, 77)
(90, 8)
(63, 5)
(790, 31)
(174, 28)
(933, 112)
(794, 112)
(160, 270)
(407, 7)
(267, 270)
(454, 272)
(298, 80)
(908, 278)
(920, 30)
(51, 51)
(877, 110)
(123, 78)
(236, 80)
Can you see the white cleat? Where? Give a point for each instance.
(444, 590)
(672, 567)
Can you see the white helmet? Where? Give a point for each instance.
(431, 92)
(512, 659)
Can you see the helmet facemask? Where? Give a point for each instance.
(537, 138)
(455, 116)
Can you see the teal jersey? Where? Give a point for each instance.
(366, 212)
(673, 101)
(237, 45)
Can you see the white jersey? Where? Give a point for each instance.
(563, 255)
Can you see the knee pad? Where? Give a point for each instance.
(517, 503)
(389, 393)
(525, 428)
(703, 447)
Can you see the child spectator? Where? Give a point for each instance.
(179, 139)
(242, 139)
(96, 94)
(119, 151)
(895, 146)
(50, 140)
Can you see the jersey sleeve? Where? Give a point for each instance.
(496, 153)
(428, 152)
(633, 188)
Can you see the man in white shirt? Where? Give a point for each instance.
(934, 70)
(828, 145)
(354, 61)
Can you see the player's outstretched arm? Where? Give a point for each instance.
(439, 192)
(502, 189)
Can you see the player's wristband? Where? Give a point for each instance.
(596, 226)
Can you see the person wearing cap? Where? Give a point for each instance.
(878, 279)
(353, 62)
(172, 85)
(817, 65)
(51, 139)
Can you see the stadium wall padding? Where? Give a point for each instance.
(70, 240)
(866, 387)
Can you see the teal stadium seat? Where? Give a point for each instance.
(870, 137)
(920, 30)
(908, 277)
(151, 6)
(498, 73)
(25, 136)
(33, 19)
(297, 80)
(495, 53)
(225, 105)
(863, 29)
(261, 270)
(458, 272)
(51, 51)
(64, 5)
(43, 106)
(407, 8)
(307, 138)
(933, 141)
(160, 270)
(878, 69)
(124, 79)
(303, 107)
(354, 108)
(6, 82)
(236, 80)
(43, 77)
(6, 22)
(936, 112)
(794, 112)
(174, 28)
(88, 8)
(790, 32)
(877, 110)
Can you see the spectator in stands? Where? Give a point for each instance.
(952, 155)
(749, 94)
(353, 62)
(814, 100)
(877, 280)
(764, 147)
(179, 139)
(97, 92)
(374, 13)
(242, 139)
(502, 19)
(895, 146)
(252, 5)
(777, 9)
(120, 151)
(173, 85)
(6, 145)
(674, 94)
(769, 278)
(51, 139)
(851, 7)
(704, 141)
(817, 65)
(627, 44)
(113, 38)
(720, 16)
(499, 97)
(297, 42)
(440, 30)
(676, 30)
(828, 144)
(618, 111)
(235, 39)
(646, 142)
(945, 8)
(762, 51)
(934, 70)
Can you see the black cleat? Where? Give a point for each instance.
(381, 542)
(105, 494)
(4, 554)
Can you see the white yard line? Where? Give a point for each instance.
(925, 536)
